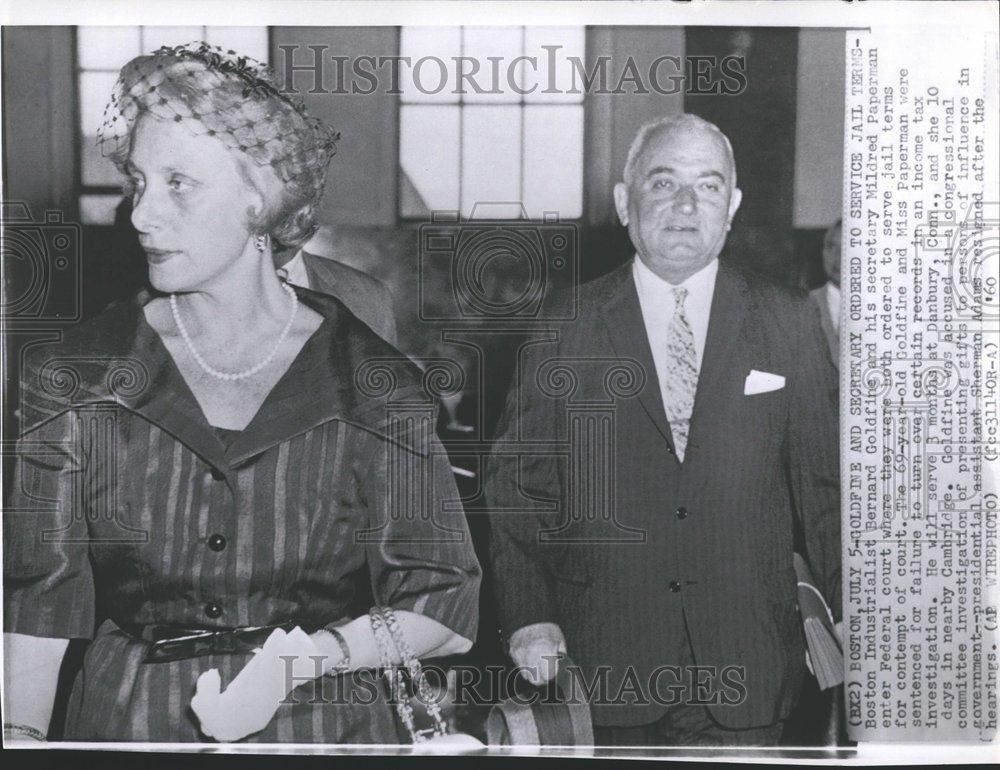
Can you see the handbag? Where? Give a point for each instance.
(392, 646)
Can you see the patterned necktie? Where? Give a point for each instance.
(682, 374)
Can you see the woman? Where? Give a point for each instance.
(217, 459)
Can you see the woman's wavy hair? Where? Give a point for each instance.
(284, 153)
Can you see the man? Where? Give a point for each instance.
(687, 561)
(313, 267)
(827, 296)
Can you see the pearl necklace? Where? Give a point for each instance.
(232, 376)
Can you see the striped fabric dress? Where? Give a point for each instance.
(128, 509)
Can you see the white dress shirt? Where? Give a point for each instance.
(656, 299)
(294, 271)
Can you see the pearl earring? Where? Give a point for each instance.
(260, 243)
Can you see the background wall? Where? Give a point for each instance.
(786, 130)
(39, 149)
(819, 128)
(361, 189)
(760, 124)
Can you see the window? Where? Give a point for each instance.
(100, 54)
(460, 148)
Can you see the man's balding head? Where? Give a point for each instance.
(666, 124)
(679, 195)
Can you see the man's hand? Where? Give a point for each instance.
(535, 649)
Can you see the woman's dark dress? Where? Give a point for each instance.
(336, 492)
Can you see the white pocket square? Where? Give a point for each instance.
(762, 382)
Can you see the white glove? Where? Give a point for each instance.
(534, 650)
(250, 701)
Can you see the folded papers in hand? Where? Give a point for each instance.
(821, 637)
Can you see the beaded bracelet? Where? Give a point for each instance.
(26, 730)
(345, 651)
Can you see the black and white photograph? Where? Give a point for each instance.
(528, 379)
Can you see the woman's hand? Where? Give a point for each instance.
(288, 660)
(250, 701)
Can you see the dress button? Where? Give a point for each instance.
(213, 610)
(682, 512)
(674, 586)
(217, 542)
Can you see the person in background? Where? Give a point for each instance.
(314, 266)
(827, 296)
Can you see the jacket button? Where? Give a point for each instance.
(218, 475)
(217, 542)
(682, 512)
(674, 586)
(213, 610)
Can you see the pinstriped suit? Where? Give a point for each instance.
(710, 560)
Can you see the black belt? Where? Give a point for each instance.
(166, 643)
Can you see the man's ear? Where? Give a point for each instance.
(621, 202)
(734, 202)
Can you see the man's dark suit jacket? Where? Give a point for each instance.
(367, 297)
(711, 557)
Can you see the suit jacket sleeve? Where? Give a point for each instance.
(513, 486)
(813, 453)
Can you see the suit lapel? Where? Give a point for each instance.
(730, 303)
(623, 319)
(319, 278)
